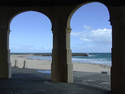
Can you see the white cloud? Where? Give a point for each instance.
(97, 39)
(87, 27)
(98, 35)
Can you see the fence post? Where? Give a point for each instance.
(24, 64)
(15, 64)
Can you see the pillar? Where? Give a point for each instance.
(4, 54)
(61, 54)
(118, 50)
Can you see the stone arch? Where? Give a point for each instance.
(80, 5)
(75, 8)
(16, 11)
(20, 12)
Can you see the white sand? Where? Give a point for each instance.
(46, 64)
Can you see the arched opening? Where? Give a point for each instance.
(30, 43)
(91, 43)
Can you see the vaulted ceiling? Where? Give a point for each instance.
(55, 2)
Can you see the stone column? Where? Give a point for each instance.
(4, 54)
(61, 54)
(118, 50)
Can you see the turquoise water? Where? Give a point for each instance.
(93, 58)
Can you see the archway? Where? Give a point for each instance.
(91, 35)
(31, 42)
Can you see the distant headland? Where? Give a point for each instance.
(49, 54)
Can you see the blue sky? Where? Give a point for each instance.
(91, 31)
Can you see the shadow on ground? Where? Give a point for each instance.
(27, 81)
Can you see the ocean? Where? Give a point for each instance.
(92, 58)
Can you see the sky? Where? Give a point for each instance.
(91, 31)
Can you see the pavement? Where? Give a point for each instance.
(29, 81)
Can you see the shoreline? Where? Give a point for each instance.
(46, 64)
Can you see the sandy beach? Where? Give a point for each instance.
(86, 74)
(46, 64)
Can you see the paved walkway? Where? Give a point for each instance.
(31, 82)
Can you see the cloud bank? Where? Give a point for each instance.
(98, 40)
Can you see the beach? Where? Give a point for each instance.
(46, 64)
(96, 75)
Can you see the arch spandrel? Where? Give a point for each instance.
(14, 11)
(76, 7)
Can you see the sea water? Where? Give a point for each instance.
(92, 58)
